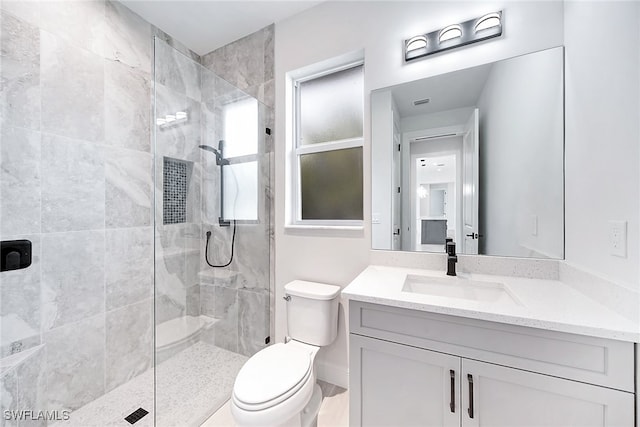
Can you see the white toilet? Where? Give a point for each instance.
(277, 386)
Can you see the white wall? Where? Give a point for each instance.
(335, 28)
(521, 157)
(602, 135)
(382, 136)
(458, 116)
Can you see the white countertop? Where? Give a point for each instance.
(543, 304)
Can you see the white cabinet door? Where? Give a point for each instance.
(397, 385)
(496, 396)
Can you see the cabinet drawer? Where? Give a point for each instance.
(597, 361)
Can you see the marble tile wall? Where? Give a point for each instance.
(241, 295)
(75, 179)
(178, 88)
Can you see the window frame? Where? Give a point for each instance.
(298, 150)
(245, 158)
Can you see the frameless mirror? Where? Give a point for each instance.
(475, 155)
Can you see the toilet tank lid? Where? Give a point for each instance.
(313, 290)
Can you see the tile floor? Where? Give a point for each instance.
(334, 411)
(189, 385)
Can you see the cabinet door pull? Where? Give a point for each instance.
(470, 410)
(452, 404)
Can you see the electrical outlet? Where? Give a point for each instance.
(618, 238)
(534, 225)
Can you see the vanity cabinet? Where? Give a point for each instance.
(412, 368)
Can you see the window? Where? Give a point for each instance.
(240, 173)
(327, 171)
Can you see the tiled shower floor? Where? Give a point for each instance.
(191, 385)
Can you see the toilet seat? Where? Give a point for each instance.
(272, 376)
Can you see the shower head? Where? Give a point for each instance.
(218, 154)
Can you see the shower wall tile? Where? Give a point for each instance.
(252, 260)
(129, 266)
(167, 308)
(129, 342)
(181, 140)
(225, 330)
(8, 396)
(20, 303)
(247, 63)
(222, 304)
(127, 111)
(127, 37)
(78, 22)
(193, 300)
(269, 50)
(72, 277)
(170, 272)
(269, 94)
(19, 181)
(241, 62)
(194, 196)
(128, 188)
(207, 300)
(20, 72)
(72, 107)
(177, 71)
(28, 11)
(157, 32)
(75, 363)
(32, 385)
(253, 321)
(72, 184)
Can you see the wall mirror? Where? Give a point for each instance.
(476, 155)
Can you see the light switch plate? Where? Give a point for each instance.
(534, 225)
(618, 238)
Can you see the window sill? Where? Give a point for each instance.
(325, 230)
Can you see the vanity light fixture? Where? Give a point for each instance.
(449, 33)
(417, 42)
(453, 36)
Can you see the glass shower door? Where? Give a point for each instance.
(212, 220)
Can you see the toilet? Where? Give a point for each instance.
(277, 386)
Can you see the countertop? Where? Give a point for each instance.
(544, 304)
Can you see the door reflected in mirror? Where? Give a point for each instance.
(475, 155)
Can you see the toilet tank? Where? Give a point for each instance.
(312, 312)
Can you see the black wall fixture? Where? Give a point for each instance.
(16, 254)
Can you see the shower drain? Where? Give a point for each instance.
(136, 416)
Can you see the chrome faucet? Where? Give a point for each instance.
(452, 258)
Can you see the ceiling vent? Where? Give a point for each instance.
(421, 101)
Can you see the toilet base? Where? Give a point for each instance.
(309, 415)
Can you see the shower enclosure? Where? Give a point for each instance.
(212, 215)
(135, 263)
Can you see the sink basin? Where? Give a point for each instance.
(459, 287)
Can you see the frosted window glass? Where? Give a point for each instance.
(241, 191)
(331, 107)
(331, 184)
(241, 127)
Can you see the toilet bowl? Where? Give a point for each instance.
(277, 386)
